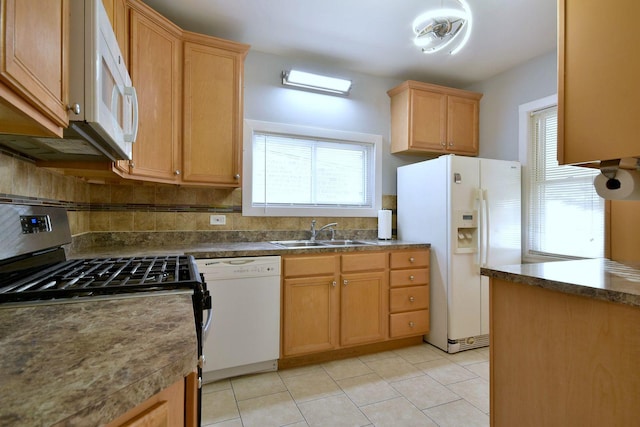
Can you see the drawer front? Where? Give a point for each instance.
(410, 259)
(410, 323)
(409, 277)
(296, 266)
(411, 298)
(364, 262)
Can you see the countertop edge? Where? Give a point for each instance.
(620, 283)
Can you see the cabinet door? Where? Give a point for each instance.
(155, 65)
(34, 64)
(212, 111)
(428, 118)
(311, 317)
(363, 308)
(462, 125)
(597, 81)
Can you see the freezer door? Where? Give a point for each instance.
(464, 284)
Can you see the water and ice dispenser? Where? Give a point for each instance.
(466, 229)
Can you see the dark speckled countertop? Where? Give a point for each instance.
(236, 249)
(594, 278)
(86, 363)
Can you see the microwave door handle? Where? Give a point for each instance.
(131, 92)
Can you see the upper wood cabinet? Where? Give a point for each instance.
(34, 67)
(190, 92)
(427, 119)
(155, 65)
(212, 110)
(597, 81)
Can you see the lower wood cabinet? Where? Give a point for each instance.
(175, 406)
(335, 301)
(409, 294)
(331, 301)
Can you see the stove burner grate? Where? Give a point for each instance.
(99, 276)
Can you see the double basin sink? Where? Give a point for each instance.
(292, 244)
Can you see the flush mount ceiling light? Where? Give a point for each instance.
(443, 28)
(316, 82)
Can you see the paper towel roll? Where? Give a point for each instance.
(384, 224)
(629, 188)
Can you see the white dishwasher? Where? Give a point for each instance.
(244, 334)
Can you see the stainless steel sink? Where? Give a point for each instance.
(345, 242)
(297, 243)
(292, 244)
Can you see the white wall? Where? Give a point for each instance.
(366, 109)
(503, 94)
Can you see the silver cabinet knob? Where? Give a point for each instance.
(411, 277)
(177, 172)
(345, 282)
(412, 260)
(334, 283)
(237, 176)
(132, 164)
(74, 108)
(411, 299)
(411, 324)
(451, 144)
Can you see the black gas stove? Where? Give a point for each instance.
(82, 278)
(35, 270)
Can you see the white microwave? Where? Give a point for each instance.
(102, 100)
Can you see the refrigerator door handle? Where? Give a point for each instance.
(486, 226)
(479, 199)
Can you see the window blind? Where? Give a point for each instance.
(565, 214)
(309, 172)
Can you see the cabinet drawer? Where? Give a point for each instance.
(309, 265)
(408, 259)
(411, 298)
(364, 262)
(409, 323)
(409, 277)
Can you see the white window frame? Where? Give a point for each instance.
(524, 115)
(256, 126)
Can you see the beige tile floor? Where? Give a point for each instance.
(415, 386)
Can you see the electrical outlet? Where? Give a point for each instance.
(217, 220)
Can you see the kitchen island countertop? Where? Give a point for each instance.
(594, 278)
(86, 363)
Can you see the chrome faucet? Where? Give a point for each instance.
(315, 232)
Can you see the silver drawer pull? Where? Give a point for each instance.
(411, 324)
(345, 282)
(412, 260)
(334, 283)
(411, 277)
(411, 299)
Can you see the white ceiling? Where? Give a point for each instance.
(375, 36)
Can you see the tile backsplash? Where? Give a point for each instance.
(147, 207)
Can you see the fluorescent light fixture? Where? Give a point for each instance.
(443, 28)
(317, 82)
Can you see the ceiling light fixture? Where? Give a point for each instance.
(442, 28)
(316, 82)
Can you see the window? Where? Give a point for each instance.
(302, 171)
(564, 216)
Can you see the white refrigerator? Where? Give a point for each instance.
(469, 210)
